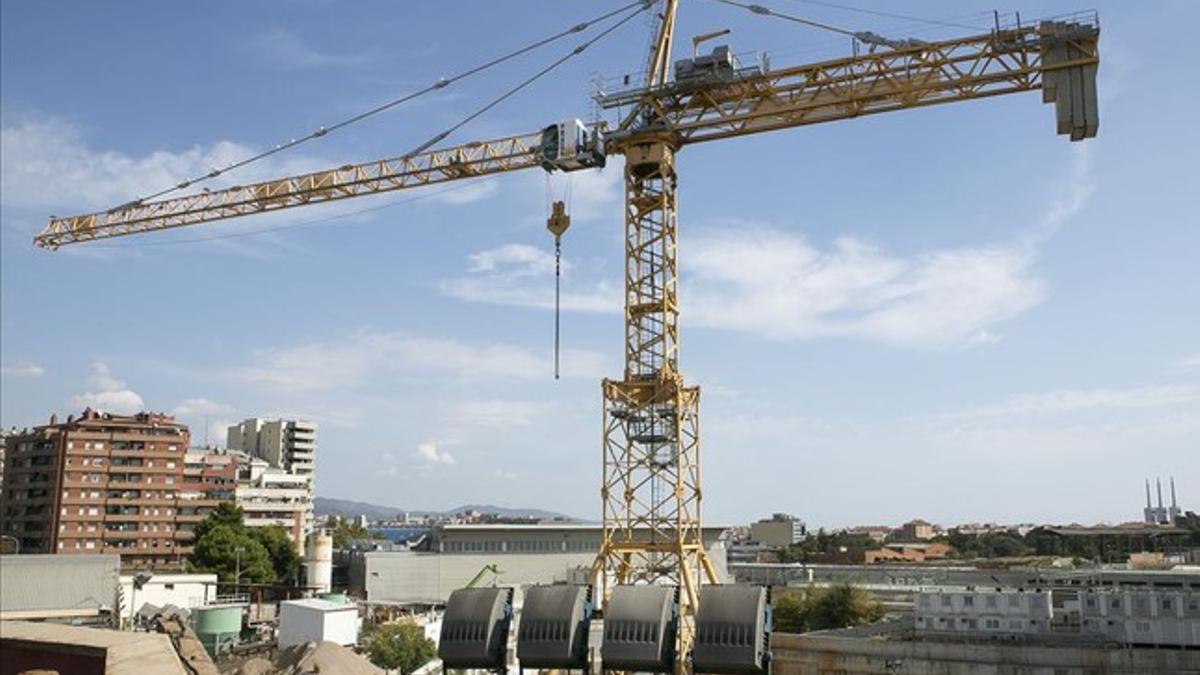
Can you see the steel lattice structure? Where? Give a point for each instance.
(651, 480)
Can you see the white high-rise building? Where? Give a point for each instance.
(274, 496)
(289, 450)
(284, 444)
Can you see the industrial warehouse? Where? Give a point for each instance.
(146, 529)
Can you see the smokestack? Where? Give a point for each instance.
(1174, 506)
(1148, 504)
(1158, 484)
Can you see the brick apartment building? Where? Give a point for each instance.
(209, 478)
(99, 483)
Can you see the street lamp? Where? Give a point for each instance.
(237, 573)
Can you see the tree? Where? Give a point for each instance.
(267, 555)
(282, 552)
(233, 554)
(790, 612)
(400, 646)
(226, 513)
(838, 606)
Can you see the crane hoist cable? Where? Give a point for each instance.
(866, 37)
(440, 83)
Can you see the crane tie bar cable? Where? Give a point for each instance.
(441, 83)
(579, 49)
(866, 37)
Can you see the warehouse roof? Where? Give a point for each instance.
(57, 586)
(124, 652)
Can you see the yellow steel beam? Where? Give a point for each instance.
(1003, 62)
(385, 175)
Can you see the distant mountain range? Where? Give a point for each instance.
(327, 506)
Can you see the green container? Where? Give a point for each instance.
(218, 626)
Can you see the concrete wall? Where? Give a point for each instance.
(302, 621)
(182, 590)
(815, 654)
(1142, 617)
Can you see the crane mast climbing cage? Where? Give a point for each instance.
(651, 481)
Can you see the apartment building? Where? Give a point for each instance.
(100, 483)
(284, 444)
(780, 530)
(209, 477)
(270, 495)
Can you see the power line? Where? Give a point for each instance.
(441, 83)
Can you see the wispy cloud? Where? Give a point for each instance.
(523, 276)
(779, 286)
(109, 393)
(505, 475)
(22, 370)
(755, 278)
(1073, 400)
(284, 49)
(428, 454)
(353, 358)
(201, 406)
(497, 413)
(1188, 362)
(48, 164)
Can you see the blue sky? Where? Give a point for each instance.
(949, 313)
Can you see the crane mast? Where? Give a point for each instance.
(650, 447)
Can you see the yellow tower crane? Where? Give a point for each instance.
(651, 484)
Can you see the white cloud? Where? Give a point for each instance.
(523, 276)
(201, 406)
(754, 278)
(1188, 362)
(284, 49)
(354, 358)
(505, 475)
(429, 454)
(497, 413)
(110, 395)
(23, 370)
(590, 195)
(758, 280)
(1073, 400)
(777, 285)
(48, 164)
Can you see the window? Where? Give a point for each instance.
(70, 445)
(1166, 604)
(968, 601)
(169, 587)
(945, 601)
(991, 601)
(89, 544)
(99, 446)
(93, 511)
(170, 465)
(86, 461)
(99, 461)
(87, 446)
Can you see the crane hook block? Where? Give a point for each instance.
(559, 221)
